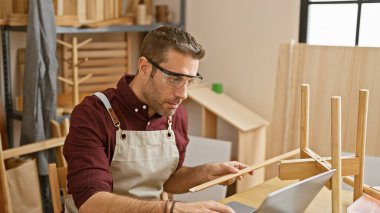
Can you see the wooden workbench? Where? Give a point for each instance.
(256, 195)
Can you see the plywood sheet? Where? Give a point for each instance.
(330, 71)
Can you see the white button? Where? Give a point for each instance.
(136, 110)
(144, 106)
(148, 123)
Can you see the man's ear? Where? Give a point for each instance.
(144, 67)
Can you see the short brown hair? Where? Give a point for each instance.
(163, 38)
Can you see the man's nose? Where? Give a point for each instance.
(182, 92)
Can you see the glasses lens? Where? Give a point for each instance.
(177, 81)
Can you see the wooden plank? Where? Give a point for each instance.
(108, 22)
(244, 171)
(94, 88)
(33, 147)
(105, 45)
(119, 70)
(100, 54)
(67, 20)
(304, 168)
(102, 79)
(361, 142)
(227, 108)
(82, 15)
(104, 62)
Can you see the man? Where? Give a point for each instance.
(126, 145)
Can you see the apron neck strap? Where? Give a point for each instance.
(110, 111)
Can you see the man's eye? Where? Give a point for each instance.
(175, 80)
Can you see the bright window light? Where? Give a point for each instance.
(332, 24)
(369, 25)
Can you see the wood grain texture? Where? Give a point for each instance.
(329, 71)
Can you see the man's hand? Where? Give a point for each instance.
(216, 170)
(202, 207)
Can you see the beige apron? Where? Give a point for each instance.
(142, 160)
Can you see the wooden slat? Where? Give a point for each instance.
(33, 147)
(101, 54)
(103, 62)
(95, 88)
(105, 45)
(244, 171)
(102, 79)
(101, 71)
(227, 108)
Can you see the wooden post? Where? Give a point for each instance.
(304, 131)
(361, 141)
(209, 123)
(336, 129)
(74, 67)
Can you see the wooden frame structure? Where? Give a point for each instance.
(251, 129)
(74, 63)
(311, 163)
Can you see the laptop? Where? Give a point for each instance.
(294, 198)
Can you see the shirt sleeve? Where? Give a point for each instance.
(87, 151)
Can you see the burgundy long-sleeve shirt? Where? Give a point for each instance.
(90, 144)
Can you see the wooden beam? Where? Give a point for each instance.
(244, 171)
(361, 141)
(304, 168)
(33, 147)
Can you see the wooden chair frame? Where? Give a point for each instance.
(311, 163)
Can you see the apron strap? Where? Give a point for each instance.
(110, 111)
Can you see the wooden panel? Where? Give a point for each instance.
(304, 168)
(209, 123)
(227, 108)
(329, 71)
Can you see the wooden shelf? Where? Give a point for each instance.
(227, 108)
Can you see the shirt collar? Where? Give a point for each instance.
(129, 98)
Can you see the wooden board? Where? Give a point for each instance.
(330, 71)
(228, 109)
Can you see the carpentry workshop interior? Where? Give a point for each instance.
(274, 106)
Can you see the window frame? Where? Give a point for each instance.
(304, 12)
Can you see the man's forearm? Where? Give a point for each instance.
(185, 178)
(108, 202)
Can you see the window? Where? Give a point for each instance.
(340, 23)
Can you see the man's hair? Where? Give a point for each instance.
(164, 38)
